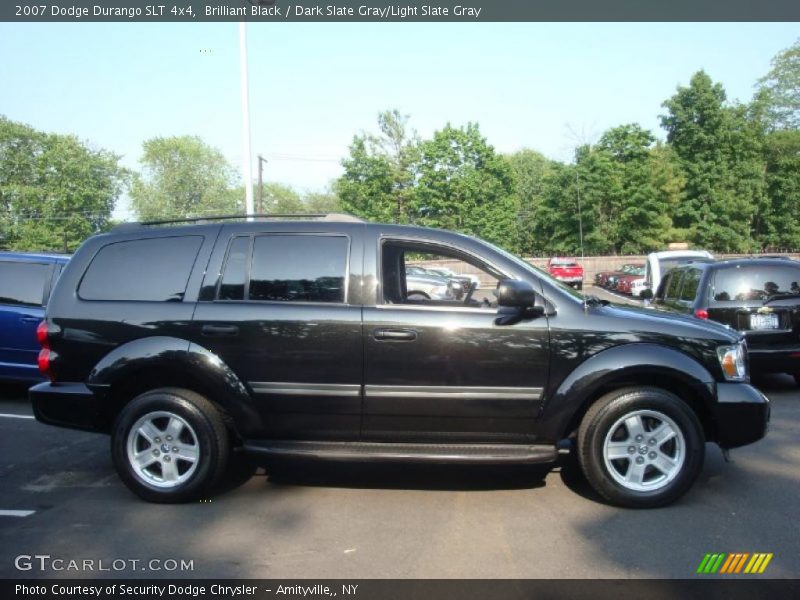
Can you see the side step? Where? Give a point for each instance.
(378, 451)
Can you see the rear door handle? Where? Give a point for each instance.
(30, 319)
(397, 335)
(220, 330)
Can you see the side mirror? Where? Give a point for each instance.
(516, 301)
(647, 294)
(515, 293)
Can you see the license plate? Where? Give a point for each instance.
(763, 321)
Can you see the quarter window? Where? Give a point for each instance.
(691, 281)
(674, 285)
(154, 269)
(235, 275)
(23, 283)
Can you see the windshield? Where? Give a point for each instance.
(538, 272)
(755, 282)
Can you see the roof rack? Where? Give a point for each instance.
(333, 217)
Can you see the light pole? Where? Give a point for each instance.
(247, 163)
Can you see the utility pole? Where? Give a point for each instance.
(244, 90)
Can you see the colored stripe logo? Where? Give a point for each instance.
(734, 563)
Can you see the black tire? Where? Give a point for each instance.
(202, 434)
(649, 407)
(579, 286)
(417, 296)
(796, 378)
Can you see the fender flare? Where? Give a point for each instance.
(629, 360)
(186, 358)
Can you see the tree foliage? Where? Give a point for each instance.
(184, 177)
(54, 190)
(720, 154)
(530, 171)
(782, 88)
(378, 181)
(464, 185)
(727, 178)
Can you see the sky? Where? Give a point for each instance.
(314, 86)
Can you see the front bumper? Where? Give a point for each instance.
(71, 405)
(780, 359)
(741, 414)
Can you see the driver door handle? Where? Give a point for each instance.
(396, 335)
(220, 330)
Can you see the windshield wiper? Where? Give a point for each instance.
(781, 297)
(592, 300)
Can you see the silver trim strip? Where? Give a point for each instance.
(306, 389)
(453, 392)
(454, 308)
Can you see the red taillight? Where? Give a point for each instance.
(44, 361)
(701, 313)
(42, 333)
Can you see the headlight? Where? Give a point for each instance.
(439, 292)
(733, 361)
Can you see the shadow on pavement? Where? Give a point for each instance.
(407, 476)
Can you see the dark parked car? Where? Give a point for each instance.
(25, 283)
(759, 297)
(298, 339)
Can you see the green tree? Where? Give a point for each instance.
(378, 182)
(184, 177)
(720, 152)
(643, 188)
(529, 170)
(782, 88)
(54, 191)
(561, 218)
(322, 202)
(464, 185)
(620, 193)
(782, 218)
(281, 199)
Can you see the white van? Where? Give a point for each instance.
(658, 263)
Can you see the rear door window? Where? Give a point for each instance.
(756, 282)
(151, 269)
(286, 268)
(298, 268)
(691, 281)
(23, 282)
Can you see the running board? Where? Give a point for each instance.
(377, 451)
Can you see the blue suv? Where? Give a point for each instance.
(25, 284)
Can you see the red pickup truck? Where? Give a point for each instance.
(567, 271)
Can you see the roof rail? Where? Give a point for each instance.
(338, 217)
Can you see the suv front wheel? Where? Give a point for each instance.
(169, 445)
(641, 447)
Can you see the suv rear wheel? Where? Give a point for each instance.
(641, 447)
(169, 445)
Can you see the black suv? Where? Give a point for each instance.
(298, 339)
(758, 296)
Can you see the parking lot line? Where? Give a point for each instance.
(16, 513)
(10, 416)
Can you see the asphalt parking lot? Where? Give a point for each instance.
(354, 521)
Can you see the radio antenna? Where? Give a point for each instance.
(580, 222)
